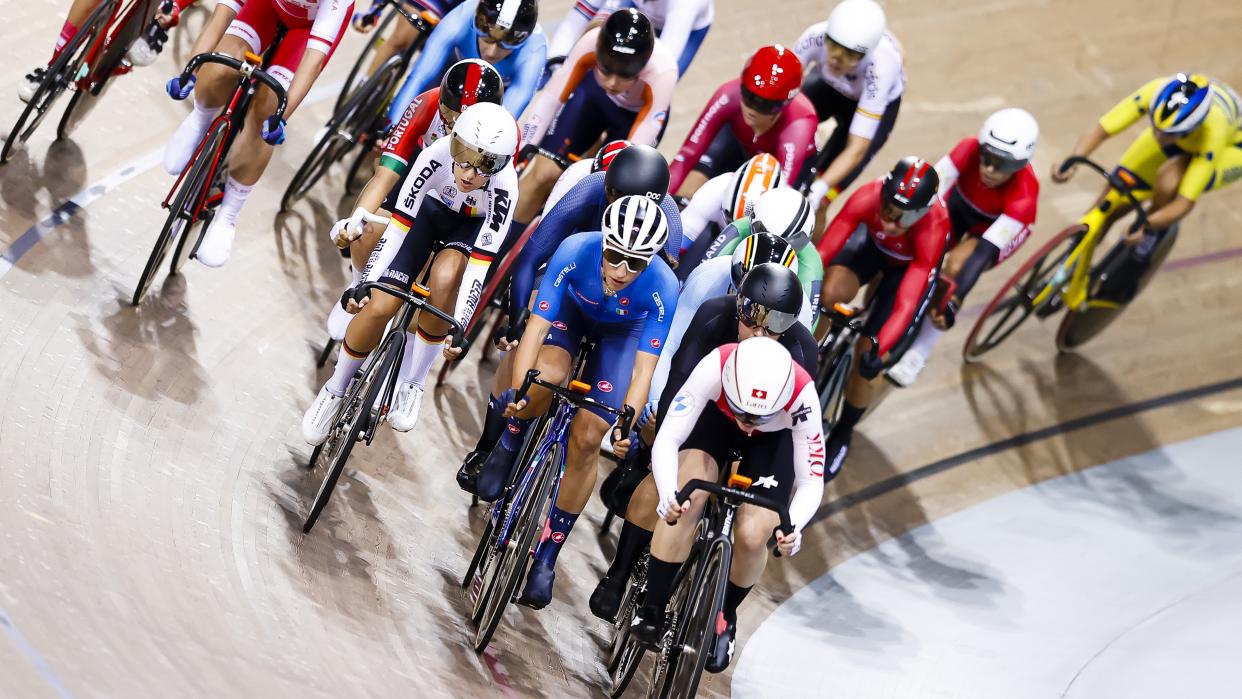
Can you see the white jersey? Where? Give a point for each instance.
(673, 19)
(879, 79)
(328, 15)
(431, 175)
(573, 175)
(702, 389)
(705, 209)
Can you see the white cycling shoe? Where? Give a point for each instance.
(405, 405)
(217, 242)
(318, 420)
(907, 369)
(29, 85)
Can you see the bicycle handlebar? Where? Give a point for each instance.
(624, 415)
(456, 330)
(1114, 180)
(420, 21)
(742, 496)
(245, 67)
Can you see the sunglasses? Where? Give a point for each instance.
(759, 104)
(749, 418)
(496, 35)
(902, 217)
(467, 157)
(999, 162)
(756, 315)
(616, 258)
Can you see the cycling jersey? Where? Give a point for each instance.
(681, 24)
(575, 276)
(572, 176)
(420, 124)
(705, 210)
(581, 209)
(712, 279)
(431, 176)
(791, 139)
(1215, 147)
(801, 415)
(315, 25)
(454, 39)
(648, 97)
(810, 266)
(1002, 215)
(919, 250)
(878, 80)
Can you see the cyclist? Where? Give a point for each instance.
(636, 170)
(429, 117)
(612, 287)
(767, 301)
(858, 82)
(403, 34)
(990, 190)
(759, 112)
(1192, 144)
(314, 30)
(578, 171)
(750, 397)
(891, 231)
(784, 213)
(142, 52)
(681, 25)
(504, 33)
(616, 83)
(462, 197)
(721, 200)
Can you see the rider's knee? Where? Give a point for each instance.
(586, 433)
(751, 534)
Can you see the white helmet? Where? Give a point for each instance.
(634, 226)
(1010, 136)
(857, 24)
(758, 379)
(485, 136)
(756, 176)
(784, 213)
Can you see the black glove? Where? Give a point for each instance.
(950, 312)
(869, 365)
(354, 293)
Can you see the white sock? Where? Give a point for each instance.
(235, 194)
(185, 139)
(929, 335)
(419, 356)
(346, 366)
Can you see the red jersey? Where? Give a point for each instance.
(919, 250)
(420, 122)
(982, 204)
(790, 140)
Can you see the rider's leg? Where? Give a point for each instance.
(535, 185)
(403, 35)
(214, 87)
(916, 357)
(221, 17)
(841, 285)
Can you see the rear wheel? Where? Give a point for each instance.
(1013, 303)
(624, 655)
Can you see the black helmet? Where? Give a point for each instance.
(770, 296)
(911, 189)
(757, 249)
(509, 22)
(639, 169)
(469, 82)
(625, 43)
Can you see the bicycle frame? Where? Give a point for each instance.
(121, 19)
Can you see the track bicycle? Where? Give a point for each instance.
(370, 394)
(1061, 275)
(508, 543)
(199, 188)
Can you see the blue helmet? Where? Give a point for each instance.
(1181, 105)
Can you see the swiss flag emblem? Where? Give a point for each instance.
(758, 393)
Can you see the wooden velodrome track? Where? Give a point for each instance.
(150, 488)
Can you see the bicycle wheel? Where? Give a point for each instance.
(1012, 304)
(357, 74)
(624, 655)
(697, 623)
(355, 415)
(514, 555)
(60, 75)
(833, 376)
(181, 210)
(84, 101)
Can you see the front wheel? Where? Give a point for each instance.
(697, 628)
(1014, 302)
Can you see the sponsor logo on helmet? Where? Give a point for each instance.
(758, 393)
(655, 342)
(558, 325)
(544, 305)
(604, 386)
(624, 49)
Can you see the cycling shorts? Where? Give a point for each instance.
(257, 24)
(585, 116)
(831, 104)
(435, 223)
(767, 457)
(1144, 157)
(610, 364)
(864, 258)
(723, 154)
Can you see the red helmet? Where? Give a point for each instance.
(607, 152)
(773, 74)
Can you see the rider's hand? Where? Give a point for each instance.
(817, 193)
(621, 443)
(1135, 235)
(512, 408)
(347, 230)
(647, 415)
(788, 545)
(870, 365)
(507, 336)
(364, 21)
(1059, 176)
(937, 318)
(352, 303)
(670, 510)
(452, 352)
(179, 90)
(168, 19)
(273, 131)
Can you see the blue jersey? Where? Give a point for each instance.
(581, 209)
(454, 39)
(575, 275)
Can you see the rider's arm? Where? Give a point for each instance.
(530, 61)
(1211, 140)
(409, 200)
(797, 142)
(700, 388)
(950, 165)
(564, 219)
(660, 298)
(810, 46)
(551, 295)
(543, 108)
(704, 207)
(700, 136)
(436, 52)
(1126, 112)
(808, 461)
(698, 288)
(502, 202)
(572, 26)
(221, 17)
(324, 32)
(846, 220)
(640, 379)
(810, 270)
(678, 24)
(660, 76)
(929, 242)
